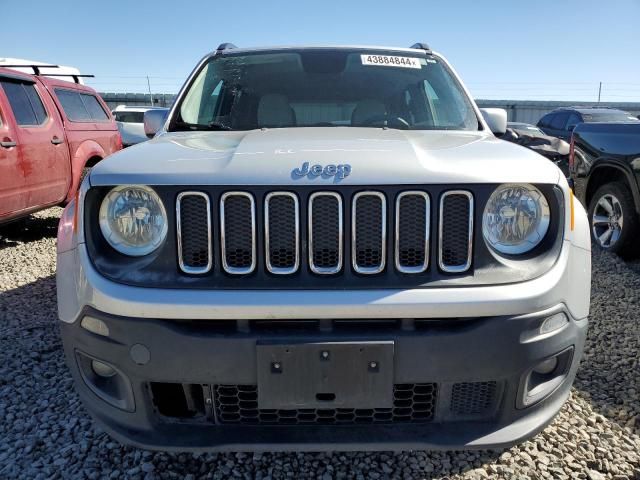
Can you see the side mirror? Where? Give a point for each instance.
(154, 121)
(570, 128)
(496, 118)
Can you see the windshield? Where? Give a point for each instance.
(129, 117)
(525, 127)
(339, 88)
(612, 116)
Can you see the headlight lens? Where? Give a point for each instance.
(515, 219)
(133, 220)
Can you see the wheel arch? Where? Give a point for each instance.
(608, 172)
(87, 154)
(91, 162)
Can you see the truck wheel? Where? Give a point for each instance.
(614, 222)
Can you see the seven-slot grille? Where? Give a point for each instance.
(238, 232)
(412, 231)
(369, 227)
(193, 219)
(456, 229)
(326, 239)
(282, 232)
(281, 226)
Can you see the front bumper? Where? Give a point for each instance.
(498, 351)
(453, 339)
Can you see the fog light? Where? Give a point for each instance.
(107, 382)
(102, 369)
(554, 322)
(544, 378)
(547, 366)
(95, 325)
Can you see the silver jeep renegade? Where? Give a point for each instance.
(324, 248)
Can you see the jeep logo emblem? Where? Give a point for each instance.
(338, 171)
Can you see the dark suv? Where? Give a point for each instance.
(561, 122)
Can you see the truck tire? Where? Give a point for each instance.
(613, 220)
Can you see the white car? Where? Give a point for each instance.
(130, 121)
(324, 248)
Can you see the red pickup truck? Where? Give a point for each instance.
(50, 131)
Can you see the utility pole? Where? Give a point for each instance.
(599, 91)
(151, 94)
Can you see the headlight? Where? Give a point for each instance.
(515, 219)
(133, 220)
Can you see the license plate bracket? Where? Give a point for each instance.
(325, 375)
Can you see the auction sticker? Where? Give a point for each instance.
(390, 61)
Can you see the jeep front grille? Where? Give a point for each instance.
(193, 219)
(325, 233)
(456, 230)
(283, 232)
(413, 216)
(369, 230)
(238, 232)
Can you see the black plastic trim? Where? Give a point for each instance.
(448, 351)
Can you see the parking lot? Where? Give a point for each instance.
(45, 432)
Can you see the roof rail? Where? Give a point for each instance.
(35, 68)
(76, 76)
(421, 46)
(36, 71)
(225, 46)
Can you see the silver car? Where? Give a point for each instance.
(130, 121)
(324, 248)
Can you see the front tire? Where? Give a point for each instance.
(613, 220)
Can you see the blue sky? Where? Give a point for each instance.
(539, 50)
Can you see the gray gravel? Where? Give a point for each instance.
(45, 432)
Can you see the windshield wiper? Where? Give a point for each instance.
(218, 126)
(213, 126)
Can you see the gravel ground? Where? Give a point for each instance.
(45, 432)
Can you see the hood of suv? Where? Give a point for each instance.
(374, 156)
